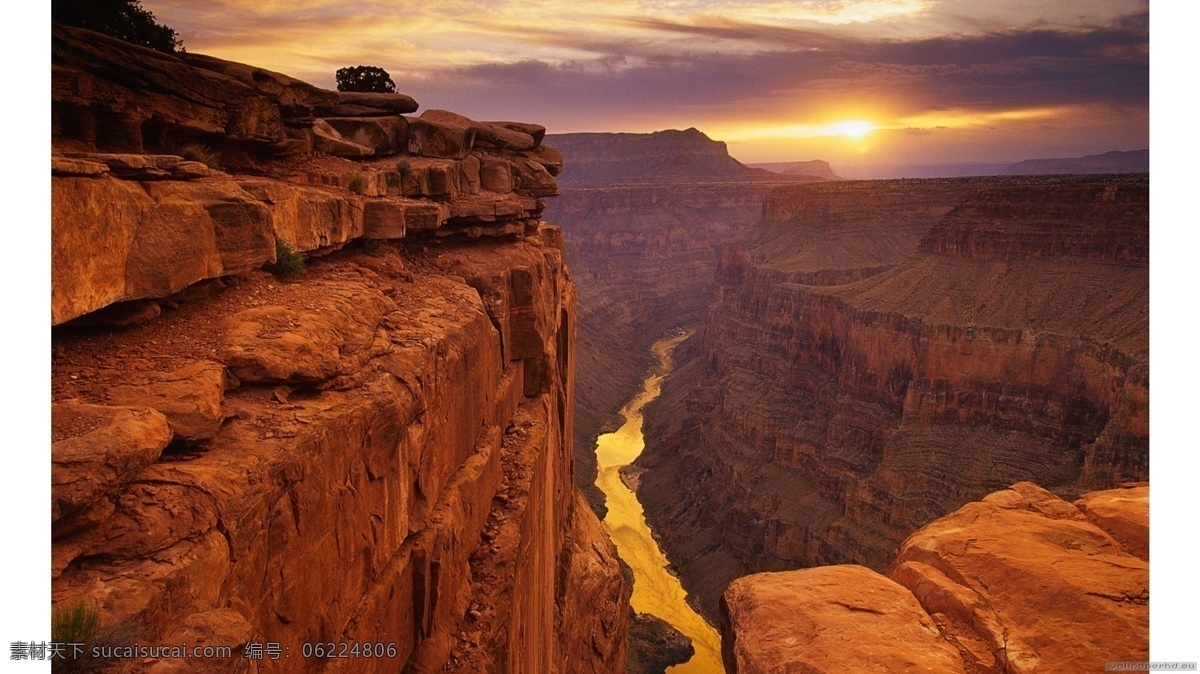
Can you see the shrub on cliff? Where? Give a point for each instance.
(122, 19)
(289, 263)
(370, 79)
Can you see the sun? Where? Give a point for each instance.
(855, 128)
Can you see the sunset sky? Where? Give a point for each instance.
(850, 81)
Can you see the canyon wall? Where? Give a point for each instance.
(1021, 581)
(644, 259)
(644, 216)
(880, 353)
(377, 453)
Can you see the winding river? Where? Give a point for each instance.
(655, 590)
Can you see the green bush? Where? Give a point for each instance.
(76, 623)
(201, 153)
(356, 183)
(289, 263)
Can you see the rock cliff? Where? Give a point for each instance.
(377, 452)
(882, 352)
(1021, 581)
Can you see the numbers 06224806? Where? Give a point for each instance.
(342, 649)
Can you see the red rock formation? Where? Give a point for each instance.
(1018, 582)
(816, 423)
(379, 451)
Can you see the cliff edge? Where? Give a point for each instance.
(1021, 581)
(313, 378)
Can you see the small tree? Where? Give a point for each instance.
(122, 19)
(365, 78)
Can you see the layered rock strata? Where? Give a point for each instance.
(1021, 581)
(878, 356)
(644, 259)
(377, 452)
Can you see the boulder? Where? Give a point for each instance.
(503, 138)
(385, 135)
(310, 218)
(326, 139)
(425, 216)
(96, 449)
(469, 174)
(533, 179)
(437, 133)
(241, 227)
(829, 619)
(383, 104)
(496, 175)
(62, 166)
(336, 333)
(536, 131)
(1124, 513)
(548, 157)
(384, 219)
(145, 166)
(188, 393)
(1024, 577)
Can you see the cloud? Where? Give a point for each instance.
(641, 65)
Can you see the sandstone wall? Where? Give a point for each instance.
(814, 424)
(379, 451)
(1021, 581)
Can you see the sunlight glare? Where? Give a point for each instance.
(854, 129)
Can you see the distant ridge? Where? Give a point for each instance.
(670, 156)
(815, 167)
(1132, 161)
(1117, 161)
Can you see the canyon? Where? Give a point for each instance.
(880, 353)
(642, 245)
(375, 456)
(327, 371)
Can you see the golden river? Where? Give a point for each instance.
(655, 590)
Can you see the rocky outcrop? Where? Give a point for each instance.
(1021, 581)
(131, 226)
(378, 452)
(655, 646)
(858, 377)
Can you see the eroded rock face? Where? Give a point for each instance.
(655, 646)
(1018, 582)
(843, 393)
(378, 451)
